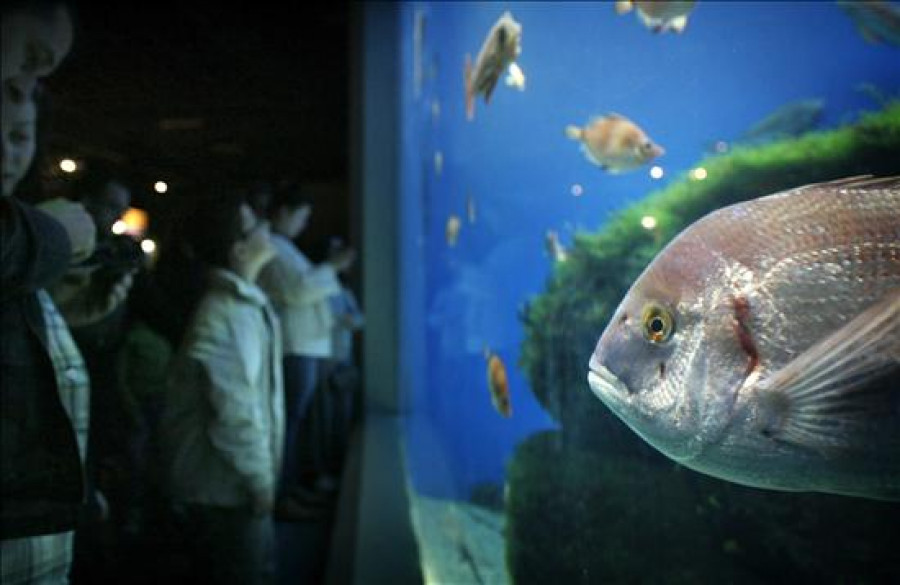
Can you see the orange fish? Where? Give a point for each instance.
(452, 229)
(498, 384)
(615, 143)
(500, 48)
(659, 15)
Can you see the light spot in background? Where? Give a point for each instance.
(148, 246)
(656, 172)
(648, 222)
(160, 187)
(68, 165)
(698, 174)
(136, 221)
(577, 190)
(721, 146)
(119, 227)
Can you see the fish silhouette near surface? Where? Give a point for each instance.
(500, 49)
(762, 345)
(659, 15)
(877, 21)
(615, 143)
(788, 121)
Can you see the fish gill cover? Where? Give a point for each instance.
(562, 324)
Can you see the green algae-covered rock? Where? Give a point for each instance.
(562, 325)
(575, 516)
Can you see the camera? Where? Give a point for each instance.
(116, 256)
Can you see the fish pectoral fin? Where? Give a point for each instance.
(823, 397)
(470, 93)
(678, 24)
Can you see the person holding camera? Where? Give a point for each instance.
(300, 292)
(106, 276)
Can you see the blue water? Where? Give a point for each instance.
(735, 63)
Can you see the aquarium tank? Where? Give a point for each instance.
(547, 152)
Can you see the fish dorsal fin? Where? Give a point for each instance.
(614, 116)
(867, 181)
(822, 397)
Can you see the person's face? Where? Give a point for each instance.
(35, 44)
(17, 127)
(108, 206)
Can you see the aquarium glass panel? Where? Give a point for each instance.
(550, 153)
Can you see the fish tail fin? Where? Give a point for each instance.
(574, 132)
(623, 6)
(470, 94)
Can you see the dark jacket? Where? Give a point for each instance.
(41, 479)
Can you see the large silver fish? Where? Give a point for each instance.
(762, 345)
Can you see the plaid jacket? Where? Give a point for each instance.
(41, 473)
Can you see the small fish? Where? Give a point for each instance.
(762, 345)
(554, 247)
(435, 111)
(438, 163)
(452, 229)
(515, 77)
(615, 143)
(877, 21)
(501, 47)
(659, 15)
(497, 383)
(471, 213)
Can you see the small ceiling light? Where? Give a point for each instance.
(160, 187)
(648, 222)
(148, 246)
(698, 174)
(577, 190)
(119, 228)
(656, 172)
(68, 165)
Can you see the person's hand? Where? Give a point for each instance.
(78, 224)
(342, 259)
(82, 300)
(262, 503)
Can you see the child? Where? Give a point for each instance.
(223, 427)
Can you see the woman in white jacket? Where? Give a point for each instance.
(223, 427)
(300, 292)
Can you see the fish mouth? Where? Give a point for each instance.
(604, 384)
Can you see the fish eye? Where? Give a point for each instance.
(658, 322)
